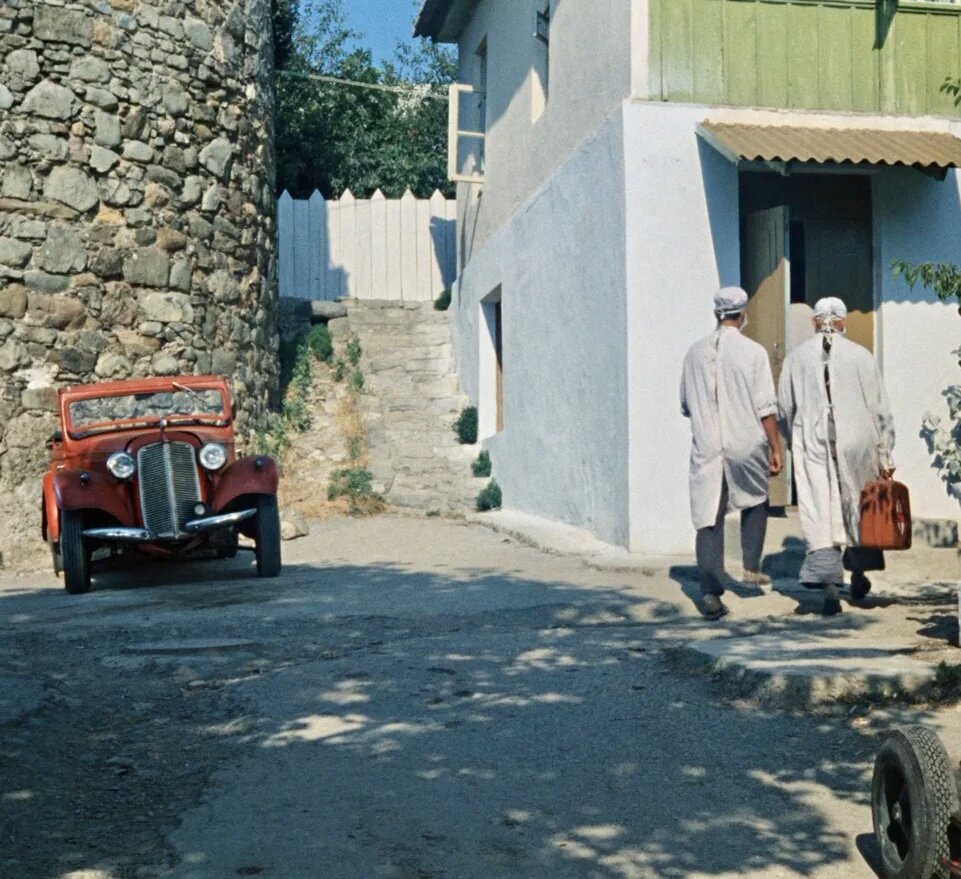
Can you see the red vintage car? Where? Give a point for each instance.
(150, 464)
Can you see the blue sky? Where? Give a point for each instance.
(382, 23)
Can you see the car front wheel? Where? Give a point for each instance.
(74, 553)
(267, 536)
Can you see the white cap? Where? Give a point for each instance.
(830, 305)
(729, 301)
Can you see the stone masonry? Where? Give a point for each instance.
(136, 211)
(410, 403)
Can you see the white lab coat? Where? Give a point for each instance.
(829, 496)
(726, 389)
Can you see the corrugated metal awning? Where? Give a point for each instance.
(870, 146)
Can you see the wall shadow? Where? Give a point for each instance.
(443, 235)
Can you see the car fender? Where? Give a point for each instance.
(86, 490)
(252, 474)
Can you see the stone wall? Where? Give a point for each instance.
(136, 211)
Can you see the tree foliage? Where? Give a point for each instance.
(333, 136)
(943, 439)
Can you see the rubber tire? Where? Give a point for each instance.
(912, 770)
(74, 553)
(267, 536)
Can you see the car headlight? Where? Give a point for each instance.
(213, 456)
(121, 465)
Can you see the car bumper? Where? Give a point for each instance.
(191, 528)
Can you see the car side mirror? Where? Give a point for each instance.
(55, 437)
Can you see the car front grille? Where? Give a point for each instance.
(169, 487)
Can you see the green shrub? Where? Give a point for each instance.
(356, 381)
(318, 339)
(355, 484)
(482, 466)
(339, 369)
(353, 350)
(466, 426)
(442, 302)
(490, 497)
(273, 434)
(355, 447)
(287, 353)
(355, 481)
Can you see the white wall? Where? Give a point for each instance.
(682, 244)
(590, 74)
(918, 219)
(560, 267)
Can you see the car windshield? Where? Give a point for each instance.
(149, 406)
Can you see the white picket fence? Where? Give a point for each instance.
(376, 248)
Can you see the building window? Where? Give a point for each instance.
(467, 124)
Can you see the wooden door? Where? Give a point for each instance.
(764, 275)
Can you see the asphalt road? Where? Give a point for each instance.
(412, 698)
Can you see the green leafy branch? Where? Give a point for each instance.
(942, 278)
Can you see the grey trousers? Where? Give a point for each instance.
(709, 544)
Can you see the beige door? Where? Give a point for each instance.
(764, 274)
(839, 263)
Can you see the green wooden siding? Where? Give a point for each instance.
(805, 54)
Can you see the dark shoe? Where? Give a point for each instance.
(860, 586)
(712, 607)
(832, 602)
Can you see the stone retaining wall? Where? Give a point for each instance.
(136, 211)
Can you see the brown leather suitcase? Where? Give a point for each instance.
(885, 515)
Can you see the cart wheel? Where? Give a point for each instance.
(913, 796)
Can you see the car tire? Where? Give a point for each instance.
(913, 796)
(267, 536)
(74, 553)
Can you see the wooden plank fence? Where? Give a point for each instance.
(376, 248)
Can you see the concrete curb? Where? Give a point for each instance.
(826, 674)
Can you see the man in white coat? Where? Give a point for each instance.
(728, 393)
(834, 409)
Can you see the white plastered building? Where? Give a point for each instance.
(619, 160)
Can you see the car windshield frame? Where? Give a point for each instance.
(181, 409)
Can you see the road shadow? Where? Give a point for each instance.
(501, 725)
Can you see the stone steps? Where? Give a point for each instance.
(410, 403)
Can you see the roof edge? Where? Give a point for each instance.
(442, 20)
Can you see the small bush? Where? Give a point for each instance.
(442, 302)
(466, 426)
(339, 369)
(482, 466)
(349, 482)
(355, 447)
(318, 339)
(490, 497)
(353, 350)
(287, 354)
(356, 381)
(356, 485)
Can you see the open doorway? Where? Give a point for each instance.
(804, 236)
